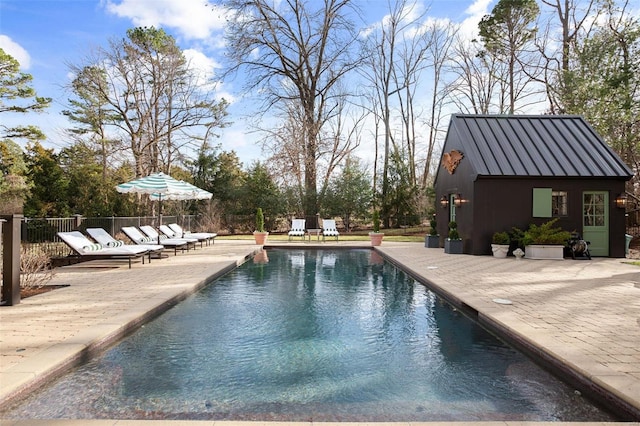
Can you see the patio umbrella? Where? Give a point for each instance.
(182, 191)
(161, 186)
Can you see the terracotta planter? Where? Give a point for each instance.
(261, 237)
(261, 257)
(376, 238)
(544, 251)
(500, 250)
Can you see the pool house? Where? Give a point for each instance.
(504, 171)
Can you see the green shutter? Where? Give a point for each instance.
(541, 202)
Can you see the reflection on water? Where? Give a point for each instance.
(302, 335)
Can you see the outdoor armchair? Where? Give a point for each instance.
(297, 229)
(329, 229)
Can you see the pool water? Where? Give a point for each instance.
(311, 335)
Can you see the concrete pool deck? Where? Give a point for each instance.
(581, 315)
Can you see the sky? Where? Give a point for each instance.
(45, 36)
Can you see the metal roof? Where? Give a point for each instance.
(525, 145)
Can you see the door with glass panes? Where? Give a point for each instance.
(595, 221)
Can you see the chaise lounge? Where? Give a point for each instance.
(170, 233)
(135, 235)
(104, 238)
(151, 232)
(86, 249)
(181, 233)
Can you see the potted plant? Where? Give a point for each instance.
(500, 244)
(545, 241)
(433, 239)
(453, 243)
(376, 236)
(260, 234)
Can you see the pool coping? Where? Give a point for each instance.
(71, 350)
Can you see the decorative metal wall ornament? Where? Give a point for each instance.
(450, 160)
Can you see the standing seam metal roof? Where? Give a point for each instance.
(543, 146)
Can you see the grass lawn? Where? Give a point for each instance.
(403, 235)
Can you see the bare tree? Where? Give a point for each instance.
(479, 81)
(441, 42)
(294, 54)
(567, 20)
(396, 54)
(145, 92)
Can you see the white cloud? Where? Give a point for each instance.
(191, 19)
(478, 8)
(475, 12)
(18, 52)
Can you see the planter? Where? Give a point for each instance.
(11, 205)
(432, 241)
(376, 238)
(544, 251)
(500, 250)
(261, 257)
(261, 237)
(453, 246)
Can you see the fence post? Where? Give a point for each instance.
(78, 218)
(11, 259)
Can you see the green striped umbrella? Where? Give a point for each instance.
(161, 186)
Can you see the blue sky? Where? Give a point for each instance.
(47, 35)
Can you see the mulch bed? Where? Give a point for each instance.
(28, 292)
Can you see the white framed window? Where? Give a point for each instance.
(559, 203)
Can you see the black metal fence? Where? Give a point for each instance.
(42, 232)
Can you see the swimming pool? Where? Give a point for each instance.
(311, 335)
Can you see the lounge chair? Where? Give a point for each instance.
(150, 231)
(181, 233)
(169, 232)
(297, 229)
(85, 248)
(104, 238)
(139, 238)
(329, 229)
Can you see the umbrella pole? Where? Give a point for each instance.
(159, 218)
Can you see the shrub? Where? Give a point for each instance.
(501, 238)
(545, 234)
(35, 267)
(453, 231)
(517, 236)
(376, 221)
(259, 220)
(433, 224)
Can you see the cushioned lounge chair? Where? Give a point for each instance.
(150, 231)
(181, 233)
(139, 238)
(104, 238)
(170, 233)
(85, 248)
(329, 229)
(297, 229)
